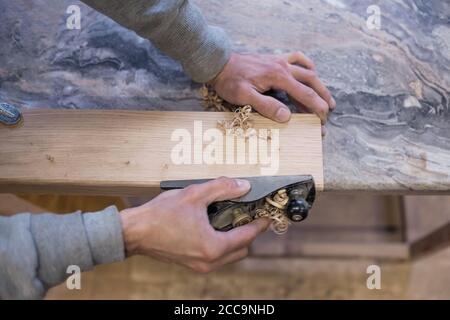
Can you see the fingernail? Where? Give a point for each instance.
(333, 103)
(242, 184)
(283, 114)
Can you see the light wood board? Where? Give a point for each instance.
(129, 152)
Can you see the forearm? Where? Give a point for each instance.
(35, 250)
(177, 28)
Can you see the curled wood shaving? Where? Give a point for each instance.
(273, 209)
(240, 125)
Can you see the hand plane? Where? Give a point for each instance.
(298, 190)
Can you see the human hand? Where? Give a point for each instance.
(246, 76)
(174, 227)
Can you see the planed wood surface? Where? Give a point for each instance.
(129, 152)
(390, 131)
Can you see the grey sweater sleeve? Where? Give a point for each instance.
(177, 28)
(37, 249)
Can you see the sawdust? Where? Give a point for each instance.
(212, 101)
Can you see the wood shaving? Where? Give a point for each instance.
(241, 125)
(212, 101)
(273, 209)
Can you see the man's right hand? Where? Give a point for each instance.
(174, 227)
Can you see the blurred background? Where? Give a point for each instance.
(324, 257)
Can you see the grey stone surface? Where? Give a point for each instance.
(391, 129)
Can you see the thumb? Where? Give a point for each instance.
(223, 189)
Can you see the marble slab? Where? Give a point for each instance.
(390, 131)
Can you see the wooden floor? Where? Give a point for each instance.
(144, 278)
(341, 219)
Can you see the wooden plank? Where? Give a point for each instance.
(130, 152)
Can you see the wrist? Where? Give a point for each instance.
(130, 230)
(219, 75)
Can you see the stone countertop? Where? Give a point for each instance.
(389, 133)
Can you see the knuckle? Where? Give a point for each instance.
(282, 63)
(311, 76)
(210, 253)
(309, 93)
(190, 192)
(280, 77)
(277, 70)
(227, 183)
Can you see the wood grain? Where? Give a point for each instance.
(129, 152)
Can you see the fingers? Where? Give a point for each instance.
(219, 189)
(243, 236)
(310, 78)
(269, 106)
(299, 58)
(305, 95)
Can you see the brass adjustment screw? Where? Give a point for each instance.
(240, 218)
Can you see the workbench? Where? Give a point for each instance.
(389, 134)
